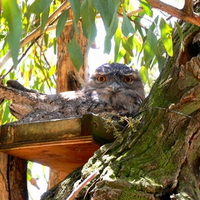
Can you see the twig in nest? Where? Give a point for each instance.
(73, 195)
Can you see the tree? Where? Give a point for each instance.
(150, 159)
(157, 156)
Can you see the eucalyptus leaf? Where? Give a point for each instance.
(88, 21)
(61, 23)
(166, 37)
(39, 6)
(12, 14)
(44, 19)
(149, 47)
(117, 38)
(180, 34)
(112, 25)
(127, 27)
(104, 8)
(147, 7)
(75, 4)
(75, 54)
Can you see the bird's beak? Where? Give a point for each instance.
(114, 87)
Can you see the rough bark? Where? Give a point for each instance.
(157, 158)
(3, 176)
(68, 78)
(13, 178)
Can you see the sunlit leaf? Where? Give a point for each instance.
(5, 115)
(39, 6)
(12, 14)
(166, 37)
(149, 47)
(160, 51)
(147, 7)
(61, 23)
(127, 27)
(29, 174)
(144, 74)
(75, 54)
(128, 45)
(75, 4)
(117, 38)
(88, 21)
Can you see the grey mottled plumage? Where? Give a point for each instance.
(113, 88)
(117, 85)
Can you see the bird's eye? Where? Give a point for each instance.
(101, 78)
(128, 79)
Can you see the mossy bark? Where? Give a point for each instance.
(159, 157)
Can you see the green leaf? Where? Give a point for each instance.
(117, 38)
(149, 47)
(144, 74)
(147, 7)
(127, 27)
(112, 26)
(160, 51)
(105, 10)
(39, 6)
(166, 37)
(61, 23)
(88, 21)
(180, 34)
(75, 4)
(75, 54)
(44, 19)
(46, 39)
(12, 14)
(128, 45)
(29, 175)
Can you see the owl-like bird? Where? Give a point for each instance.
(113, 88)
(117, 85)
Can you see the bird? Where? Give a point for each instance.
(117, 85)
(113, 88)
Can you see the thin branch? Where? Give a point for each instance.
(181, 14)
(140, 9)
(36, 32)
(22, 56)
(73, 195)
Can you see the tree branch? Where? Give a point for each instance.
(185, 14)
(36, 33)
(73, 195)
(188, 7)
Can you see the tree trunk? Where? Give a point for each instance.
(157, 157)
(13, 178)
(68, 78)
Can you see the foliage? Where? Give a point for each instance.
(138, 37)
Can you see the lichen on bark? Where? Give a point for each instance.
(161, 159)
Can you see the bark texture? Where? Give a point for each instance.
(13, 178)
(157, 157)
(68, 78)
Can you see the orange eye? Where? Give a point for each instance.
(101, 78)
(128, 79)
